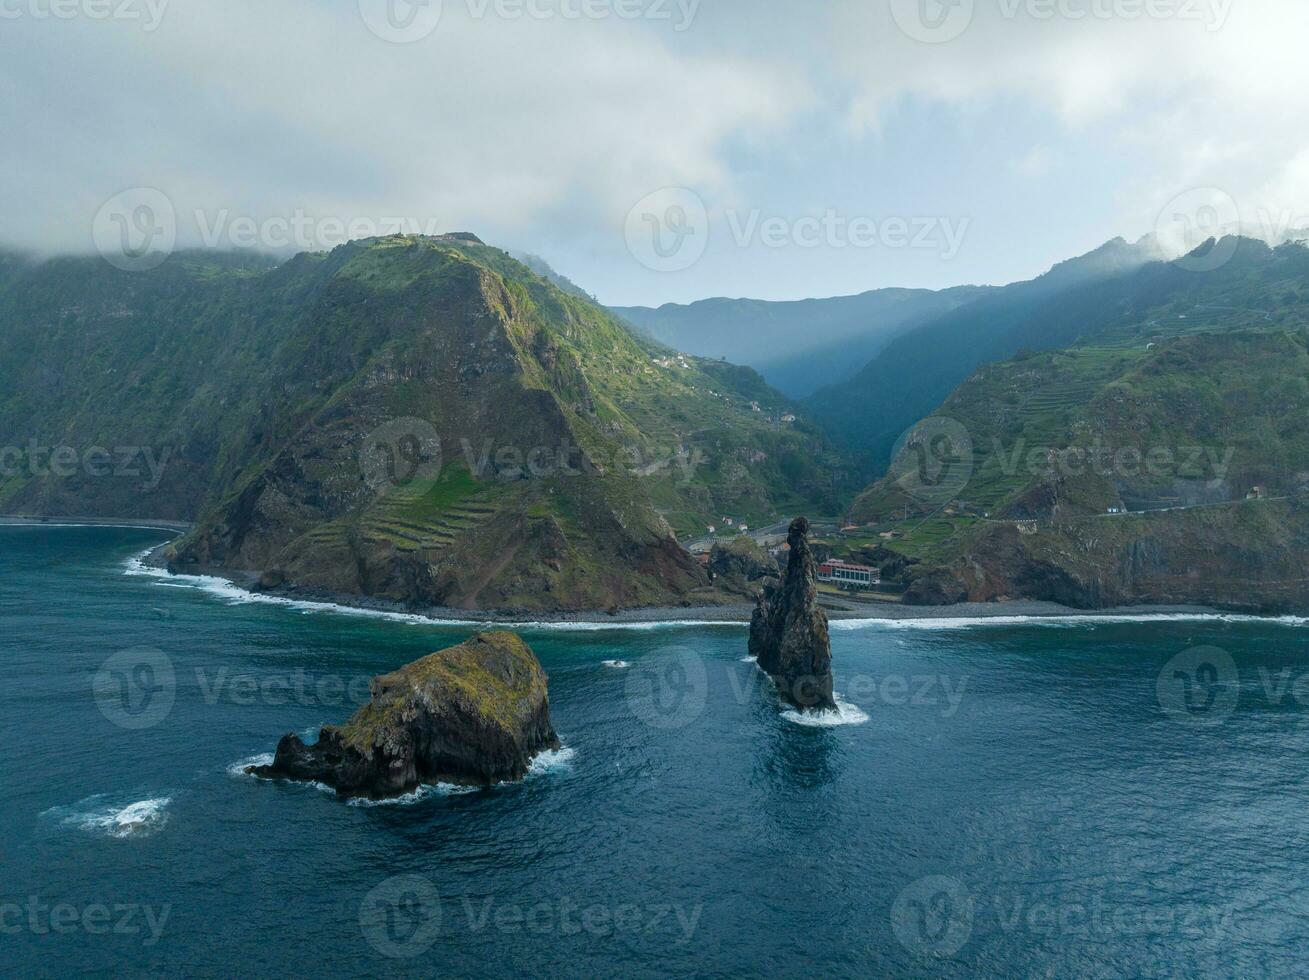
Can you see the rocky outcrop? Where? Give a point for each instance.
(739, 562)
(475, 714)
(788, 633)
(1245, 557)
(935, 587)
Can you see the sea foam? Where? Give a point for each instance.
(238, 769)
(552, 760)
(233, 594)
(845, 714)
(1072, 619)
(109, 819)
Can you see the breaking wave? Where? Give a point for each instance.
(238, 769)
(233, 594)
(1073, 619)
(94, 815)
(845, 714)
(552, 760)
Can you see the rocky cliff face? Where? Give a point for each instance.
(1245, 556)
(1119, 474)
(788, 632)
(409, 419)
(474, 714)
(740, 563)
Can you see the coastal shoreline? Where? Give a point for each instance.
(734, 614)
(143, 523)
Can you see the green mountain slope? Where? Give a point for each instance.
(1159, 461)
(417, 419)
(797, 346)
(910, 377)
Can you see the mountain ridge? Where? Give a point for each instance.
(267, 383)
(797, 345)
(1161, 457)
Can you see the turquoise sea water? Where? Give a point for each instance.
(999, 800)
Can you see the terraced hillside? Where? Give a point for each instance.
(1170, 470)
(419, 419)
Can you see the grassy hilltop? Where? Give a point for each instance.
(423, 419)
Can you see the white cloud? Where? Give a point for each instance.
(1213, 92)
(1036, 162)
(541, 133)
(261, 109)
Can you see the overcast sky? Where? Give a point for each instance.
(833, 146)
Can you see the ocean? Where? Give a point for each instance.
(1014, 797)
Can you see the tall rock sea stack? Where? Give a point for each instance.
(788, 633)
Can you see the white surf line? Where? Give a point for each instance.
(134, 527)
(235, 595)
(1072, 619)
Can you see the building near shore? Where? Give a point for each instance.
(847, 574)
